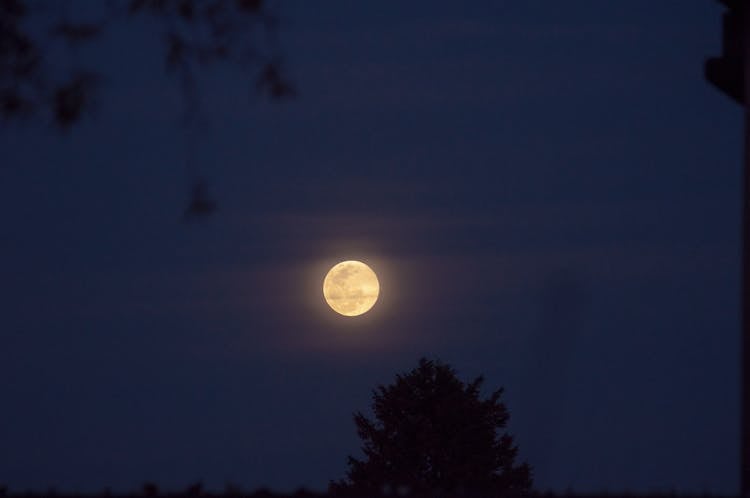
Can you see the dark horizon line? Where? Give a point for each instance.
(196, 490)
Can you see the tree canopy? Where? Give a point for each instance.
(433, 433)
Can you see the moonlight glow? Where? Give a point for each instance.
(351, 288)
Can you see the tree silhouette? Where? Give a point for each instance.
(150, 489)
(433, 433)
(195, 33)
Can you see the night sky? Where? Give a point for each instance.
(548, 191)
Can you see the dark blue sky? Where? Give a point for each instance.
(549, 192)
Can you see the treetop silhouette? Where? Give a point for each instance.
(433, 433)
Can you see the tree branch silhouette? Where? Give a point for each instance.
(196, 33)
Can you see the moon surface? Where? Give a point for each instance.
(351, 288)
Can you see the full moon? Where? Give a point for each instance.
(351, 288)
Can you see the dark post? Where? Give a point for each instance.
(731, 74)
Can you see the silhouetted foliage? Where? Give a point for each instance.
(195, 489)
(150, 489)
(200, 203)
(232, 489)
(434, 434)
(195, 32)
